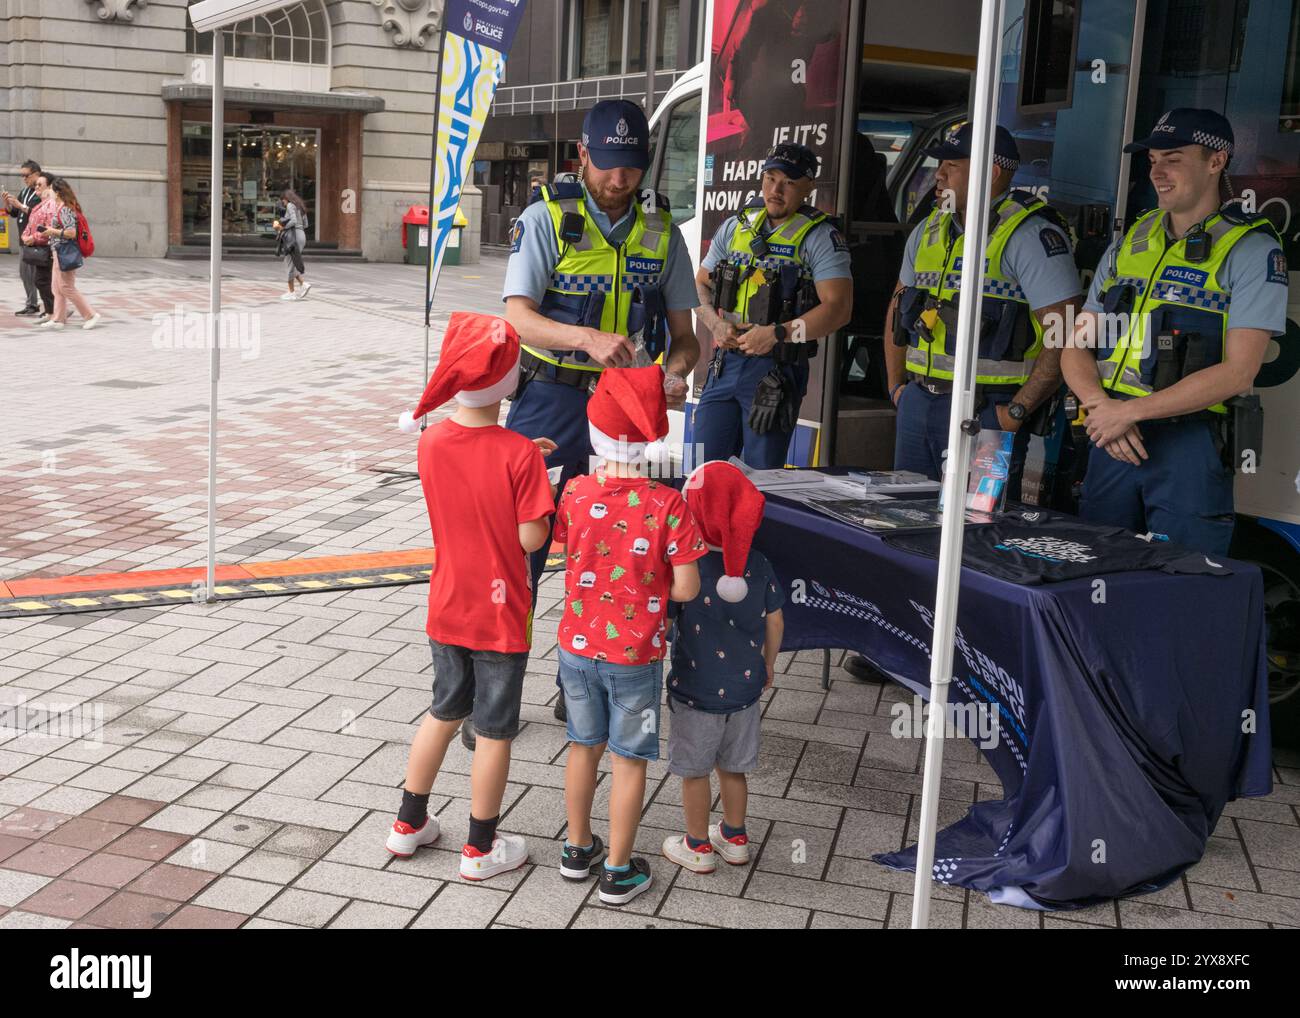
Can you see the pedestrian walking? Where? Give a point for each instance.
(63, 234)
(292, 240)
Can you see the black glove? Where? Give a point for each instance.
(773, 407)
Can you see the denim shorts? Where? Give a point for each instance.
(618, 704)
(485, 683)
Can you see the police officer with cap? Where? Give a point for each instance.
(1174, 330)
(1029, 284)
(776, 278)
(598, 277)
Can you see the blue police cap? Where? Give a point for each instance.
(795, 161)
(616, 134)
(1006, 153)
(1188, 126)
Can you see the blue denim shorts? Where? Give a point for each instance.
(487, 684)
(618, 704)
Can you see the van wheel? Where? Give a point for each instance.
(1280, 564)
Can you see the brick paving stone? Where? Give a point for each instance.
(15, 886)
(108, 870)
(368, 915)
(178, 883)
(81, 832)
(196, 917)
(304, 908)
(273, 867)
(130, 911)
(204, 854)
(66, 899)
(142, 843)
(387, 888)
(237, 894)
(47, 859)
(124, 809)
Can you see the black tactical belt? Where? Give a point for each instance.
(538, 368)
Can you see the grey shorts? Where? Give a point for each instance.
(699, 741)
(485, 683)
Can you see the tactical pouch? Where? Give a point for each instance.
(808, 297)
(647, 315)
(726, 285)
(1246, 431)
(907, 312)
(789, 300)
(1043, 419)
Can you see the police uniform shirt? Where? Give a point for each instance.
(1254, 275)
(1037, 256)
(824, 250)
(534, 254)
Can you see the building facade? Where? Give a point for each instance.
(333, 98)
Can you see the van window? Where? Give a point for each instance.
(679, 168)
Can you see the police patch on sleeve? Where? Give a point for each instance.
(1053, 242)
(1277, 266)
(837, 241)
(516, 235)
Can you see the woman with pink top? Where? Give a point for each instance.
(40, 253)
(62, 234)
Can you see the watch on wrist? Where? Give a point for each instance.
(1017, 411)
(781, 332)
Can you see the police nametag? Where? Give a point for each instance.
(1185, 275)
(644, 265)
(1053, 243)
(1277, 266)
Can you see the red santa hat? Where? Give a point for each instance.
(478, 365)
(628, 414)
(728, 510)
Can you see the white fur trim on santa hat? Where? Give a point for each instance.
(493, 393)
(616, 450)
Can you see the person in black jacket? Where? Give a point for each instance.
(21, 207)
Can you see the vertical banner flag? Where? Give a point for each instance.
(472, 61)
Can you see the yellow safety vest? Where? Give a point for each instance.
(938, 269)
(784, 245)
(1177, 309)
(591, 265)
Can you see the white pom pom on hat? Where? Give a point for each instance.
(728, 509)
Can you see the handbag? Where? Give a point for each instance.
(36, 254)
(70, 256)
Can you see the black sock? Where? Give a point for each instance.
(414, 810)
(482, 832)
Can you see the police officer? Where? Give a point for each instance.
(1030, 283)
(1176, 325)
(598, 277)
(776, 277)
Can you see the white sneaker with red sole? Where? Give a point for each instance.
(697, 860)
(404, 839)
(733, 850)
(509, 852)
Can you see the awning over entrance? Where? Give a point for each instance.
(320, 102)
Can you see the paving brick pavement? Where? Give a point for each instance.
(104, 463)
(251, 754)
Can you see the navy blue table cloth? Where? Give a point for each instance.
(1130, 712)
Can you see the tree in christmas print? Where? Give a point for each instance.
(633, 499)
(575, 606)
(611, 631)
(617, 573)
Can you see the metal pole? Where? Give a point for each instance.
(983, 121)
(651, 53)
(433, 185)
(1119, 222)
(216, 221)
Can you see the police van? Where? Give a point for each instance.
(869, 90)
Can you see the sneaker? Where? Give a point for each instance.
(27, 311)
(288, 296)
(576, 863)
(50, 324)
(404, 839)
(94, 321)
(509, 852)
(620, 888)
(733, 850)
(697, 860)
(302, 290)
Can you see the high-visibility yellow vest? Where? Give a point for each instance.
(784, 245)
(938, 269)
(591, 265)
(1175, 307)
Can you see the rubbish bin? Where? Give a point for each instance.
(452, 254)
(415, 235)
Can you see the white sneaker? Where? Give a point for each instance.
(93, 321)
(289, 296)
(733, 850)
(696, 860)
(302, 290)
(50, 324)
(404, 839)
(509, 852)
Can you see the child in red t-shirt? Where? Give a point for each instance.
(488, 497)
(630, 546)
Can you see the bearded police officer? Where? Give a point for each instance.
(1029, 283)
(598, 277)
(1175, 328)
(776, 278)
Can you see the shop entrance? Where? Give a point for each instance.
(260, 162)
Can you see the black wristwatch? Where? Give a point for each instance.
(1017, 411)
(781, 332)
